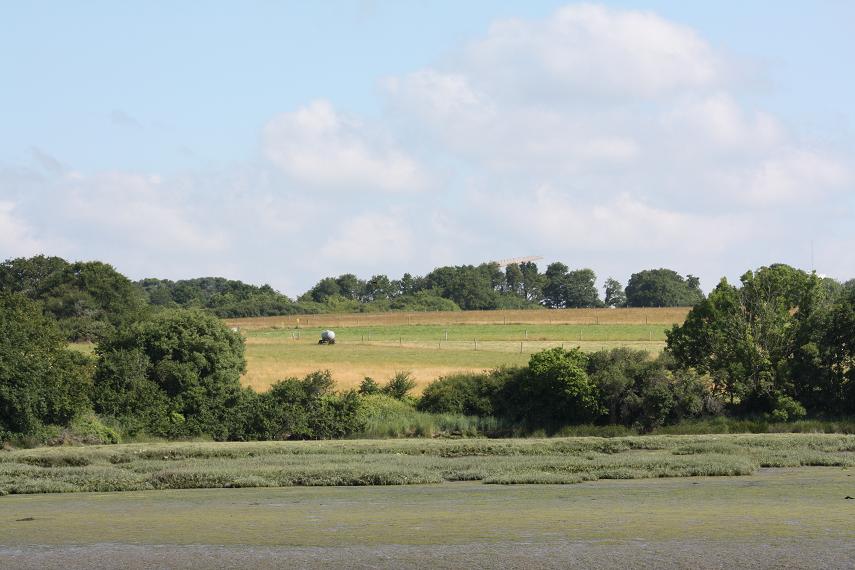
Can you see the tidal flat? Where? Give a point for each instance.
(777, 517)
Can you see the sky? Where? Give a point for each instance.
(281, 142)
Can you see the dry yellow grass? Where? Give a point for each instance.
(261, 376)
(664, 316)
(272, 359)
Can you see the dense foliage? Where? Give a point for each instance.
(176, 374)
(662, 288)
(41, 381)
(776, 343)
(91, 299)
(88, 299)
(223, 297)
(566, 387)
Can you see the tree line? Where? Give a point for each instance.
(90, 299)
(778, 346)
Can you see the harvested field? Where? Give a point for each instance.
(637, 316)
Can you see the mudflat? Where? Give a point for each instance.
(796, 518)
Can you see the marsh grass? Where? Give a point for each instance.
(416, 461)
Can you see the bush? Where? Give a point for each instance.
(787, 409)
(553, 391)
(399, 386)
(467, 394)
(174, 375)
(309, 409)
(369, 386)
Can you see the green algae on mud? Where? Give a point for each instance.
(775, 504)
(182, 465)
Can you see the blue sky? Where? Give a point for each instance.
(282, 141)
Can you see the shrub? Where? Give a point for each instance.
(369, 386)
(554, 390)
(309, 409)
(399, 386)
(467, 394)
(787, 409)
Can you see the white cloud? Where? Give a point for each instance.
(381, 238)
(590, 50)
(16, 237)
(320, 147)
(138, 210)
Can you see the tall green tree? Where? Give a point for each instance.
(533, 282)
(555, 285)
(662, 288)
(614, 293)
(41, 381)
(514, 279)
(746, 337)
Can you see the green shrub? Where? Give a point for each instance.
(309, 409)
(369, 386)
(787, 409)
(400, 385)
(467, 394)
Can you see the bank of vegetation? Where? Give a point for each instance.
(402, 462)
(774, 349)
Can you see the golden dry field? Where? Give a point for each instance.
(653, 316)
(434, 344)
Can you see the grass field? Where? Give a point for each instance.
(134, 467)
(430, 345)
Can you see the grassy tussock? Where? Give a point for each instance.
(401, 462)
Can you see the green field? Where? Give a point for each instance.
(428, 351)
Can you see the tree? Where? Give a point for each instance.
(88, 299)
(749, 337)
(662, 288)
(514, 279)
(175, 374)
(350, 287)
(581, 289)
(555, 286)
(379, 287)
(614, 294)
(570, 289)
(41, 381)
(532, 282)
(323, 290)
